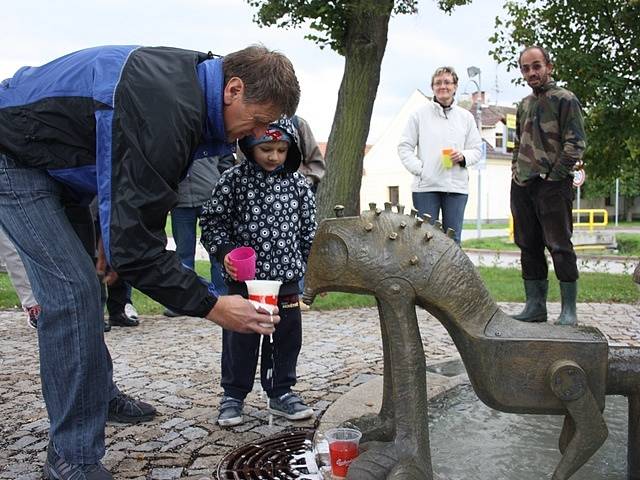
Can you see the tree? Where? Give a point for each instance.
(357, 30)
(595, 46)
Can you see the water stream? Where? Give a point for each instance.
(470, 441)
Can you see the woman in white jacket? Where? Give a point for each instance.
(441, 184)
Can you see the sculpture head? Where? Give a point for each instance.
(354, 254)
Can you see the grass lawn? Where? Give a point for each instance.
(505, 285)
(628, 245)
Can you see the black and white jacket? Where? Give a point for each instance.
(272, 212)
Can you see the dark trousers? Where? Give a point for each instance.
(240, 355)
(542, 218)
(452, 206)
(118, 295)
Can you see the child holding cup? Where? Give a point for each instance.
(263, 203)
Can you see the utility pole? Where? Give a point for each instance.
(472, 72)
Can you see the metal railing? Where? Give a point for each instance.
(591, 215)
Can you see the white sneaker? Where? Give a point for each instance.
(130, 311)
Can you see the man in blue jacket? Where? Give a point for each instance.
(123, 123)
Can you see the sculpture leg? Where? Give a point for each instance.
(380, 427)
(568, 430)
(407, 456)
(633, 447)
(569, 383)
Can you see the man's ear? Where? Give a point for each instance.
(233, 90)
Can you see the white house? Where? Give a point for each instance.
(386, 180)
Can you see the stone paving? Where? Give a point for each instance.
(174, 364)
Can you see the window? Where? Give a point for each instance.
(394, 195)
(499, 140)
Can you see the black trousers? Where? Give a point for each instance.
(240, 355)
(542, 218)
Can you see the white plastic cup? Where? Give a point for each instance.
(264, 293)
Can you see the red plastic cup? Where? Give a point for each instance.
(244, 259)
(343, 449)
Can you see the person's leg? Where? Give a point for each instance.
(287, 341)
(116, 298)
(73, 356)
(16, 271)
(122, 408)
(429, 203)
(183, 226)
(528, 231)
(238, 363)
(555, 201)
(528, 236)
(453, 205)
(216, 276)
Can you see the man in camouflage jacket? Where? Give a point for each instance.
(550, 140)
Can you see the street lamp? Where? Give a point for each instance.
(472, 72)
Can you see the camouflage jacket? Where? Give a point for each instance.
(550, 136)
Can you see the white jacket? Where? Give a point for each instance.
(432, 128)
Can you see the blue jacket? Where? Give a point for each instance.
(125, 123)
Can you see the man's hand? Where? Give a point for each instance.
(105, 274)
(238, 315)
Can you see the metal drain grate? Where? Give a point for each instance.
(284, 456)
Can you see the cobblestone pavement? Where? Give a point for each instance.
(174, 364)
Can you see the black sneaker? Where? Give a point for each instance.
(107, 326)
(124, 409)
(290, 406)
(121, 320)
(170, 313)
(56, 468)
(230, 412)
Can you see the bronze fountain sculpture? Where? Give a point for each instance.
(513, 366)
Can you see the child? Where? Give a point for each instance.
(264, 204)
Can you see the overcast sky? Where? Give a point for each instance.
(36, 31)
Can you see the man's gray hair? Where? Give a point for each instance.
(439, 71)
(268, 77)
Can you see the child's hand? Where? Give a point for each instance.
(231, 270)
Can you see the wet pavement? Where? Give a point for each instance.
(174, 364)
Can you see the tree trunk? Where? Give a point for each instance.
(628, 208)
(366, 40)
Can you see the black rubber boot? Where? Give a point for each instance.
(568, 294)
(535, 310)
